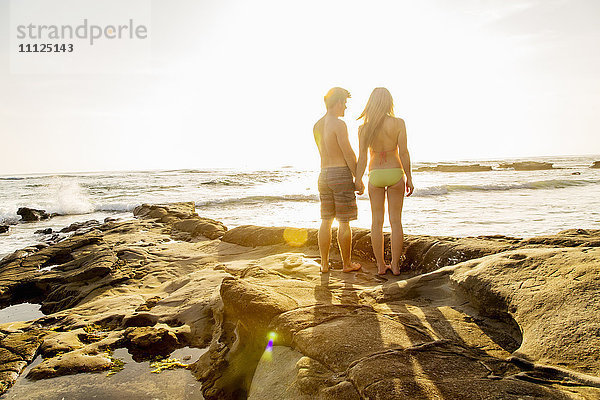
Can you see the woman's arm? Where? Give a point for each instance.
(361, 165)
(405, 157)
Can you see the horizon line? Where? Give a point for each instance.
(287, 166)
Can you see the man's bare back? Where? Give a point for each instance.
(326, 132)
(331, 136)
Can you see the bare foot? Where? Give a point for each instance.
(325, 268)
(396, 271)
(354, 266)
(383, 271)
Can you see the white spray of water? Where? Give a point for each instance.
(8, 216)
(72, 198)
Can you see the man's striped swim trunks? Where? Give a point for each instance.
(336, 191)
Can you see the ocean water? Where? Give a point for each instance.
(501, 201)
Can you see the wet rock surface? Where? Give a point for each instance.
(76, 226)
(151, 340)
(489, 317)
(184, 220)
(32, 215)
(18, 346)
(596, 164)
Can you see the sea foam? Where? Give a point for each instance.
(532, 185)
(259, 199)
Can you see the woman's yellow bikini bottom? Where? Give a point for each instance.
(386, 176)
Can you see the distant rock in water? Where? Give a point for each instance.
(527, 165)
(47, 231)
(4, 228)
(32, 215)
(596, 164)
(80, 225)
(456, 168)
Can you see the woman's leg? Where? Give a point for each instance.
(377, 198)
(395, 201)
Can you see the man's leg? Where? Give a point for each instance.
(344, 237)
(325, 243)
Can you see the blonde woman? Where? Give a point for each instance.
(382, 138)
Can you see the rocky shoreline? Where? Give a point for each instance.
(517, 166)
(472, 318)
(455, 168)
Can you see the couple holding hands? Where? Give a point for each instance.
(382, 139)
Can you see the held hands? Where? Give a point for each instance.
(410, 188)
(359, 186)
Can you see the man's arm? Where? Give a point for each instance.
(341, 133)
(405, 157)
(317, 136)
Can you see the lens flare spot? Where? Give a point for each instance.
(268, 353)
(295, 236)
(267, 356)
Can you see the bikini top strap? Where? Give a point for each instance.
(383, 154)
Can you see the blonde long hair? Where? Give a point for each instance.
(379, 106)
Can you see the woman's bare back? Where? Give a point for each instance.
(384, 148)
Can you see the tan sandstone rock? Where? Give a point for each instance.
(492, 317)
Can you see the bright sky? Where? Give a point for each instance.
(237, 83)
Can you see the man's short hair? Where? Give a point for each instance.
(335, 95)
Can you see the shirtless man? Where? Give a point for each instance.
(336, 180)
